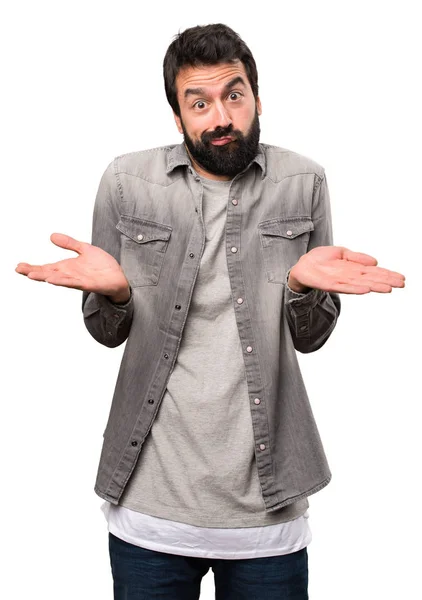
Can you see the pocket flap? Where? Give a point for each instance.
(142, 230)
(287, 228)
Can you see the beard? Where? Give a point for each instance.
(229, 159)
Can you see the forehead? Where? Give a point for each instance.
(209, 76)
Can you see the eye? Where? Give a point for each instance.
(199, 104)
(236, 95)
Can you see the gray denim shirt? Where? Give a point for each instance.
(148, 215)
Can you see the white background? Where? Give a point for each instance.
(82, 83)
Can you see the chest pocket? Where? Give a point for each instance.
(143, 247)
(283, 242)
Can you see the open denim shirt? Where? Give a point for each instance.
(148, 216)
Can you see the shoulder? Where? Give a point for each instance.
(150, 164)
(282, 163)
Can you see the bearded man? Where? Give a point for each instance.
(213, 259)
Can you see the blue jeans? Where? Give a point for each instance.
(139, 573)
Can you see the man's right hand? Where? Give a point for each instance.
(93, 270)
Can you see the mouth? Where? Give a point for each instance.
(221, 141)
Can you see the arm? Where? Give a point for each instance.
(108, 322)
(312, 313)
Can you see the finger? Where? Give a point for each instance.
(40, 273)
(37, 275)
(69, 282)
(378, 277)
(65, 241)
(382, 288)
(349, 288)
(385, 272)
(25, 268)
(392, 280)
(359, 257)
(376, 285)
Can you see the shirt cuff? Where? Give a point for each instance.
(114, 313)
(301, 303)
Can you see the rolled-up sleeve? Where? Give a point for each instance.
(108, 323)
(313, 315)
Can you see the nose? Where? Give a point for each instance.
(221, 116)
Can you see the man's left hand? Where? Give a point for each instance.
(337, 269)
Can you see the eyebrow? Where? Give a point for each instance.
(201, 91)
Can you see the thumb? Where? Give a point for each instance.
(67, 242)
(360, 257)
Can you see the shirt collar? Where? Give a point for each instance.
(178, 156)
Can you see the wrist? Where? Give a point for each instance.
(296, 286)
(120, 297)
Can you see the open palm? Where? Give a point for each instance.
(92, 270)
(338, 269)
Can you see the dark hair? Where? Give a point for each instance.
(205, 45)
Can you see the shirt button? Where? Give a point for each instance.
(233, 249)
(140, 236)
(304, 328)
(166, 355)
(249, 349)
(177, 307)
(289, 232)
(234, 202)
(262, 446)
(134, 443)
(257, 401)
(240, 300)
(191, 254)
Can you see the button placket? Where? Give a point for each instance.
(254, 378)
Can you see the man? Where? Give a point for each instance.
(213, 260)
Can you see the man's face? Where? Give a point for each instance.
(219, 118)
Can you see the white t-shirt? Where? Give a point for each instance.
(172, 537)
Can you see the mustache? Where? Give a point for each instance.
(220, 132)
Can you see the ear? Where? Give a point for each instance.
(178, 122)
(258, 105)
